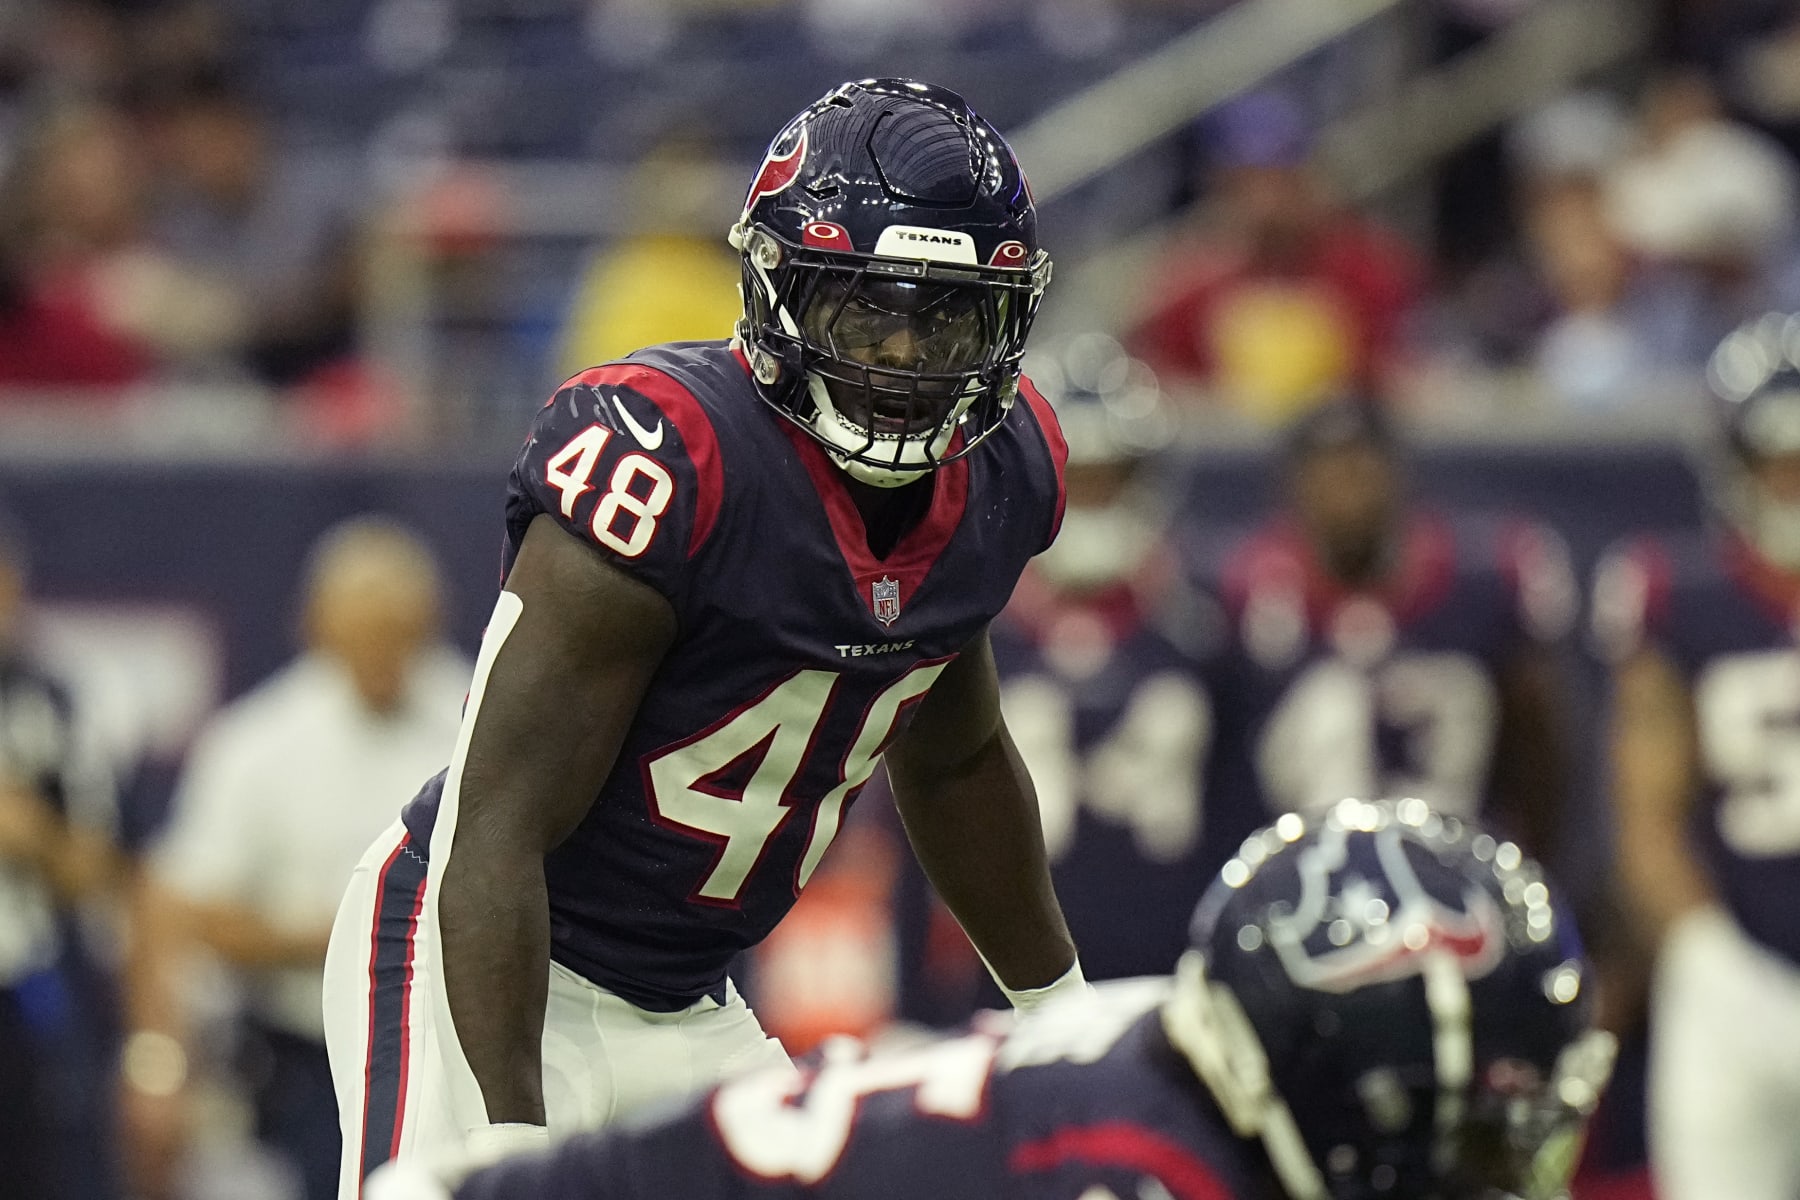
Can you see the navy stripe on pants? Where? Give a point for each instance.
(400, 895)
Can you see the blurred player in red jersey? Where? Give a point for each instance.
(1378, 644)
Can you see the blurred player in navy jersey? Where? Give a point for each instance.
(1382, 1004)
(737, 574)
(1103, 656)
(1706, 788)
(1380, 645)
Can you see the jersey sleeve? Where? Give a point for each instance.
(1055, 447)
(1535, 561)
(625, 458)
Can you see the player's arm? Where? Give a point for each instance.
(1655, 775)
(562, 690)
(1531, 751)
(971, 814)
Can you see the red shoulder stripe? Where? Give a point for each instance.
(1053, 441)
(676, 402)
(1132, 1147)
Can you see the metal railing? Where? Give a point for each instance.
(1093, 131)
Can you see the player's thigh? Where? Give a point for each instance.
(728, 1040)
(605, 1059)
(1724, 1077)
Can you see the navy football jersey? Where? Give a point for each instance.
(1079, 1102)
(1726, 619)
(799, 655)
(1392, 690)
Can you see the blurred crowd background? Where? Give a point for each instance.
(281, 282)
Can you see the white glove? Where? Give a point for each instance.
(1069, 983)
(404, 1181)
(483, 1146)
(488, 1144)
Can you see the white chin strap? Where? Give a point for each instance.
(913, 457)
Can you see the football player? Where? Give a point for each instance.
(1103, 656)
(1379, 645)
(738, 574)
(1386, 1003)
(1706, 788)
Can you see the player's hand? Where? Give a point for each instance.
(28, 826)
(154, 1134)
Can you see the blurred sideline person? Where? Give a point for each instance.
(282, 793)
(1385, 1003)
(1104, 654)
(1280, 297)
(56, 820)
(669, 278)
(1381, 645)
(739, 576)
(1706, 786)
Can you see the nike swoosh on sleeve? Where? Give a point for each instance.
(649, 439)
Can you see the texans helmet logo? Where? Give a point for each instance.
(778, 173)
(1381, 922)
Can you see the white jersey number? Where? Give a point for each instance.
(1320, 744)
(772, 1135)
(1748, 709)
(623, 520)
(778, 1127)
(780, 727)
(1144, 774)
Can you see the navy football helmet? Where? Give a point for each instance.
(1395, 1003)
(1754, 378)
(891, 273)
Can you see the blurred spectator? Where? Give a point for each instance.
(282, 795)
(56, 813)
(1599, 350)
(1705, 758)
(266, 238)
(1712, 206)
(1382, 647)
(1579, 300)
(672, 279)
(1281, 298)
(70, 224)
(1750, 47)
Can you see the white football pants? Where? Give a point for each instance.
(1724, 1066)
(404, 1090)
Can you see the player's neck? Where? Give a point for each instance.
(887, 513)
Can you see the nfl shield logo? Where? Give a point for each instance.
(884, 597)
